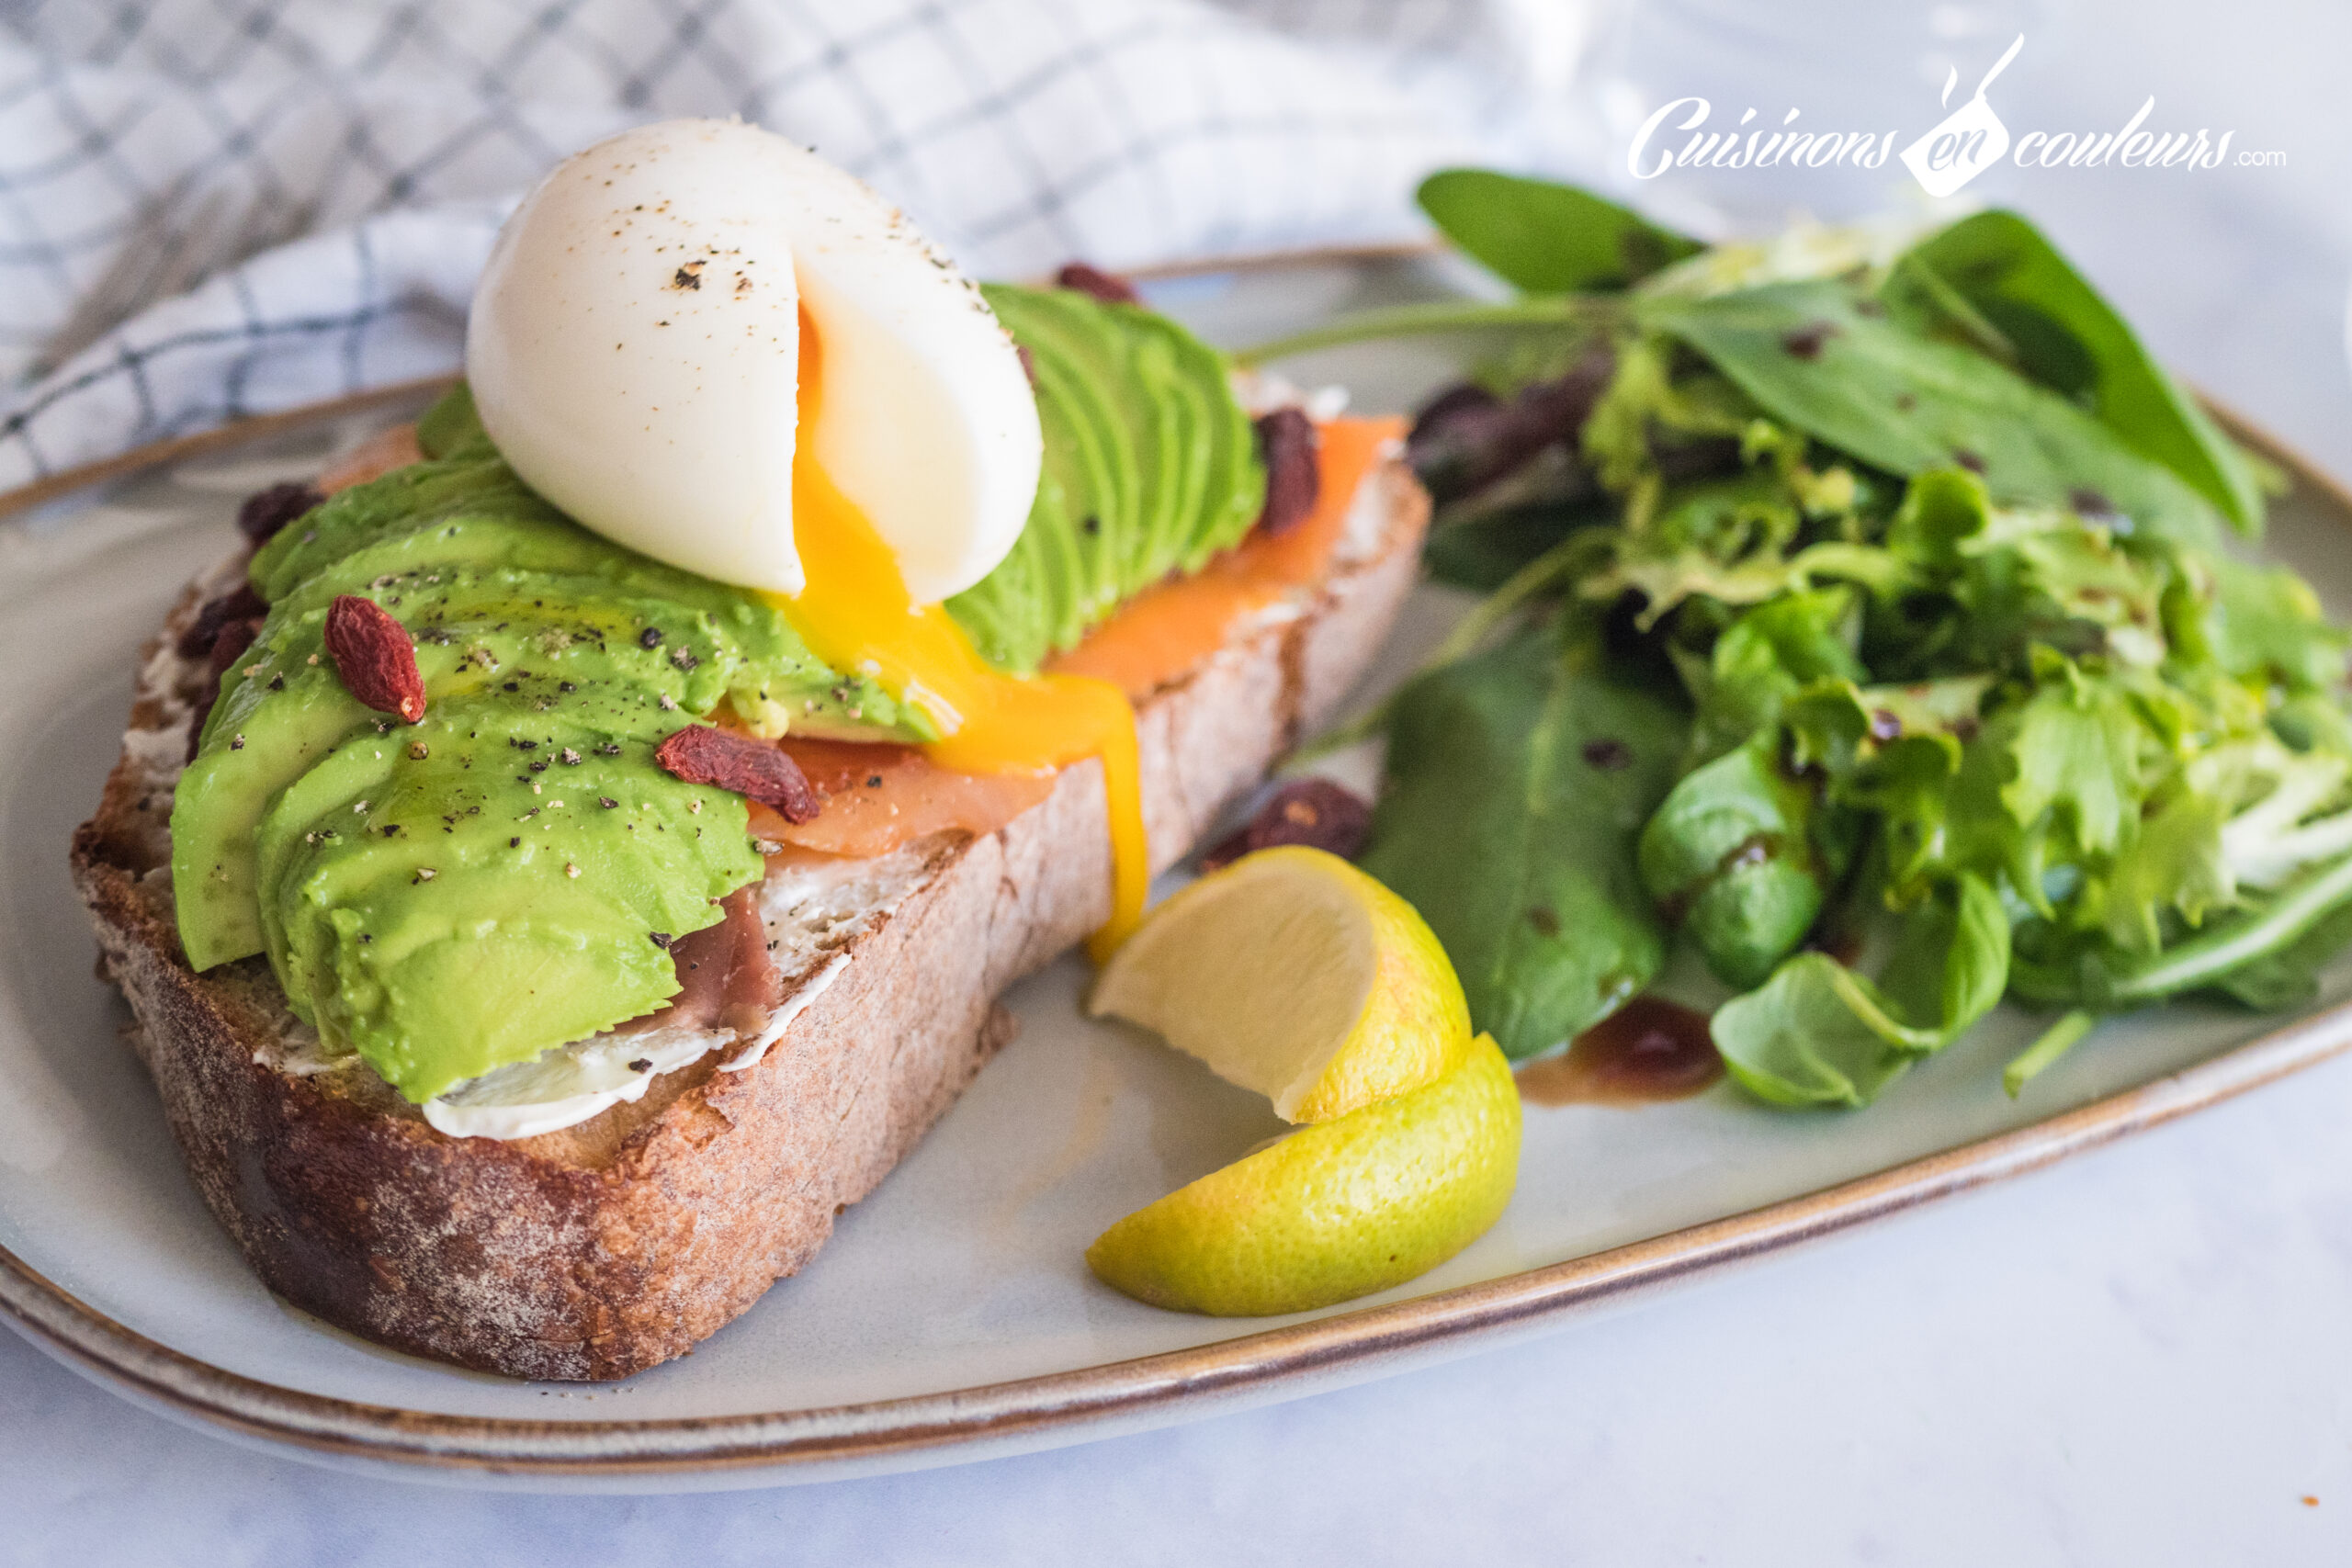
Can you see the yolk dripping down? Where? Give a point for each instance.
(855, 613)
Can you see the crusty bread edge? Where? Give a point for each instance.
(561, 1258)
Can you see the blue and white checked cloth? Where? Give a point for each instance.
(217, 208)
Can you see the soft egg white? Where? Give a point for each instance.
(634, 351)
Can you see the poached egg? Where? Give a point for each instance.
(634, 349)
(705, 342)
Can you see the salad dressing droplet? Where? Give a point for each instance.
(1647, 1051)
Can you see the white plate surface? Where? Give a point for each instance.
(963, 1268)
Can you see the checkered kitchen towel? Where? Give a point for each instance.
(218, 208)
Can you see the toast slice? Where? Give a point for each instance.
(605, 1248)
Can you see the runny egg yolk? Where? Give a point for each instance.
(855, 614)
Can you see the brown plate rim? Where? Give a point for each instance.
(1029, 1412)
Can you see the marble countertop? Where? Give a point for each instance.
(2139, 1357)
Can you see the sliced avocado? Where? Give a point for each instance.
(412, 501)
(478, 515)
(253, 751)
(536, 637)
(452, 425)
(701, 653)
(426, 542)
(1099, 434)
(1012, 617)
(441, 909)
(1150, 468)
(1177, 477)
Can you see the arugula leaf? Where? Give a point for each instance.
(1545, 237)
(1517, 780)
(1818, 1033)
(2067, 337)
(1812, 358)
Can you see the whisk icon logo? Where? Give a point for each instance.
(1969, 141)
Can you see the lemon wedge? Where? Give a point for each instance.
(1293, 974)
(1332, 1210)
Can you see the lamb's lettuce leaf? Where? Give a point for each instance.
(1817, 1033)
(1730, 857)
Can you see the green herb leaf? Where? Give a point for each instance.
(1817, 1033)
(1812, 358)
(1517, 780)
(2077, 746)
(1768, 655)
(2067, 337)
(2099, 977)
(2054, 1041)
(1730, 855)
(2288, 976)
(2173, 863)
(1545, 237)
(1893, 751)
(1943, 509)
(2267, 622)
(1482, 553)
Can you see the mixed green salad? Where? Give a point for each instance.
(1863, 612)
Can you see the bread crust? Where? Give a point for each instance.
(603, 1249)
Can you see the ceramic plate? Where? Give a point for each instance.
(951, 1317)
